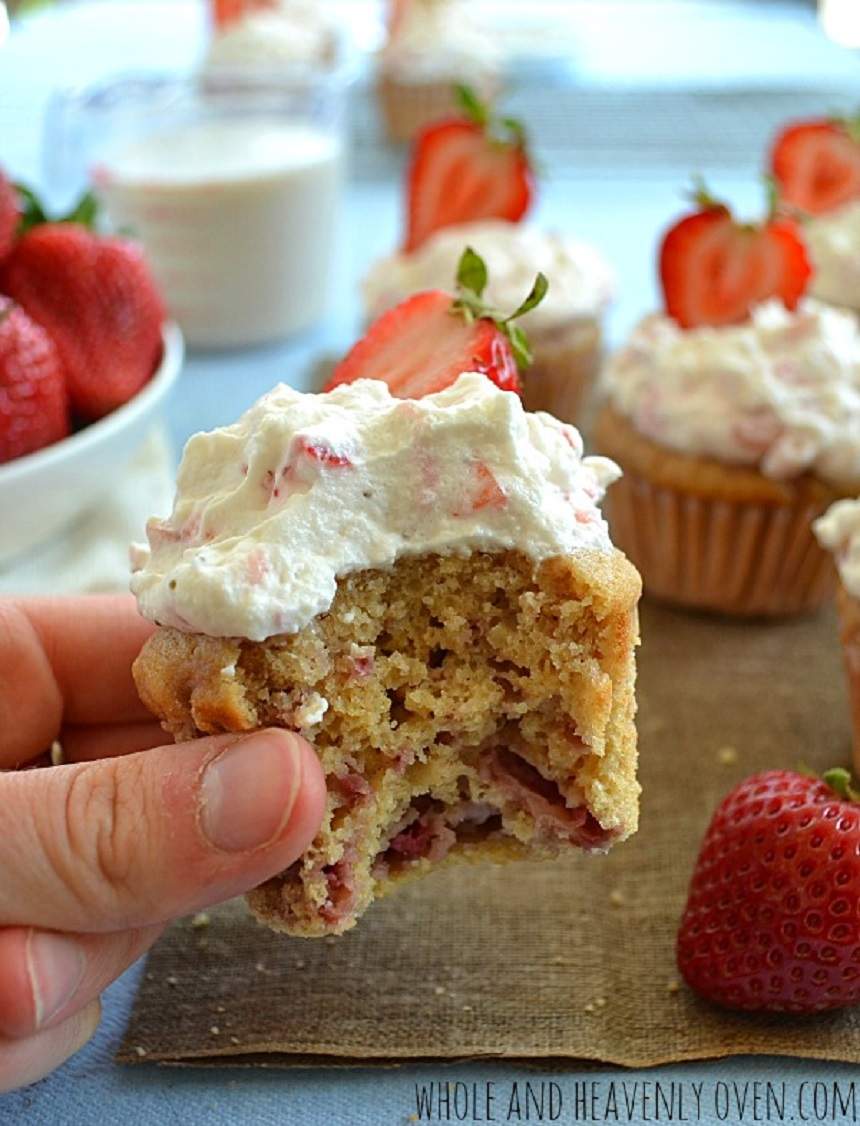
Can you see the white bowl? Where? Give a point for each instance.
(44, 491)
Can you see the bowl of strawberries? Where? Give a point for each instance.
(87, 359)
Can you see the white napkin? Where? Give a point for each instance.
(92, 554)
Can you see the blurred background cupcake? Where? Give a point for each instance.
(839, 532)
(816, 166)
(488, 158)
(431, 46)
(735, 416)
(271, 38)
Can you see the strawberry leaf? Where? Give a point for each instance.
(472, 277)
(472, 272)
(471, 105)
(32, 212)
(536, 295)
(84, 211)
(839, 780)
(519, 345)
(700, 194)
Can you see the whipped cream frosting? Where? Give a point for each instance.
(581, 282)
(839, 531)
(438, 39)
(834, 246)
(294, 33)
(780, 392)
(304, 488)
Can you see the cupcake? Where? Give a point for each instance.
(565, 331)
(816, 167)
(273, 40)
(839, 532)
(427, 590)
(432, 46)
(735, 416)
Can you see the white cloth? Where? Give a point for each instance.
(91, 555)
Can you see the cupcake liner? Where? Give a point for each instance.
(564, 370)
(406, 107)
(745, 557)
(849, 633)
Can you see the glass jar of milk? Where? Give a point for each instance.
(232, 182)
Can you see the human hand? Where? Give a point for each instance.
(98, 855)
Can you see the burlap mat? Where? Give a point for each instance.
(572, 960)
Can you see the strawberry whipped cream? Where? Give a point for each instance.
(294, 34)
(438, 39)
(780, 392)
(581, 282)
(839, 531)
(834, 245)
(304, 488)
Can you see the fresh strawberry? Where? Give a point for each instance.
(773, 918)
(96, 299)
(426, 342)
(816, 164)
(467, 168)
(34, 410)
(10, 214)
(715, 269)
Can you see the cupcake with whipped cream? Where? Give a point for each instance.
(431, 46)
(565, 330)
(816, 167)
(735, 416)
(839, 532)
(273, 40)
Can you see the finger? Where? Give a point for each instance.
(46, 977)
(24, 1061)
(86, 744)
(65, 660)
(127, 842)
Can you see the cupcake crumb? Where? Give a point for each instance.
(616, 897)
(234, 1039)
(215, 1030)
(672, 987)
(172, 979)
(727, 756)
(200, 920)
(139, 1051)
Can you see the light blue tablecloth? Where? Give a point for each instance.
(620, 207)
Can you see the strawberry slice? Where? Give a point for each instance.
(467, 168)
(816, 164)
(714, 270)
(10, 214)
(423, 344)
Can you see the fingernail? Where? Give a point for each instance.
(55, 965)
(249, 790)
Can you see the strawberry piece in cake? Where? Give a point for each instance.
(454, 634)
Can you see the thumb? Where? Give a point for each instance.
(126, 842)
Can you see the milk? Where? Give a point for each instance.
(238, 218)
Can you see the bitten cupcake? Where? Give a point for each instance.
(491, 159)
(735, 416)
(432, 45)
(816, 166)
(839, 531)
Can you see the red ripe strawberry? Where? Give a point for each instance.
(423, 344)
(714, 269)
(10, 214)
(773, 916)
(34, 409)
(467, 168)
(96, 299)
(816, 165)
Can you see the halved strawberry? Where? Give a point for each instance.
(714, 270)
(816, 164)
(423, 344)
(467, 168)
